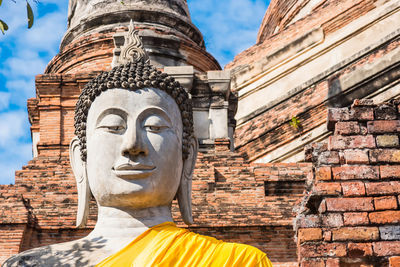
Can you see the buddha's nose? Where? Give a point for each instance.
(133, 143)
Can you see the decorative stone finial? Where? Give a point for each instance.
(132, 49)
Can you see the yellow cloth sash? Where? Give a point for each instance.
(167, 245)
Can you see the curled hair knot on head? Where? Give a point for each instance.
(133, 76)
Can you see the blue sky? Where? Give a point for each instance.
(228, 26)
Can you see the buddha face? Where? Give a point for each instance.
(134, 148)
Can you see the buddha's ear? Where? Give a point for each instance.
(79, 169)
(184, 193)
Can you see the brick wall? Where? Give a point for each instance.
(350, 214)
(11, 236)
(34, 237)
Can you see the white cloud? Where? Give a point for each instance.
(12, 159)
(23, 67)
(4, 100)
(20, 85)
(20, 72)
(46, 34)
(20, 90)
(13, 125)
(14, 149)
(16, 18)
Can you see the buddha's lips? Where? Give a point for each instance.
(134, 167)
(134, 171)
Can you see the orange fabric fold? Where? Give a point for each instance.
(167, 245)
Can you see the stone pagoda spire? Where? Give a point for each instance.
(84, 11)
(164, 26)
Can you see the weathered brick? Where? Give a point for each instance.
(327, 236)
(384, 126)
(391, 232)
(222, 144)
(350, 142)
(356, 250)
(385, 155)
(323, 173)
(394, 261)
(309, 221)
(332, 220)
(322, 207)
(385, 217)
(323, 250)
(386, 248)
(329, 157)
(327, 188)
(335, 115)
(385, 203)
(382, 188)
(355, 172)
(363, 103)
(332, 263)
(347, 128)
(355, 233)
(385, 112)
(312, 263)
(309, 234)
(353, 188)
(355, 218)
(355, 157)
(312, 150)
(390, 171)
(387, 141)
(349, 204)
(361, 113)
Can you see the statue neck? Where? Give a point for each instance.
(117, 223)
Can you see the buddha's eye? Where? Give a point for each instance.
(114, 128)
(112, 123)
(155, 124)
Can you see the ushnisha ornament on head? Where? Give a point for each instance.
(132, 72)
(133, 49)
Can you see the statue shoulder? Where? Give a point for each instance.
(74, 253)
(32, 257)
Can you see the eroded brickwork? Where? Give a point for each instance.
(350, 213)
(11, 238)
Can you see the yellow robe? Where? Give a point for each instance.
(167, 245)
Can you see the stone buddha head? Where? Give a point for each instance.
(134, 144)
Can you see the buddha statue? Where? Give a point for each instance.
(135, 151)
